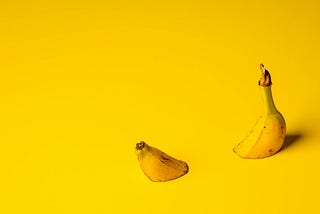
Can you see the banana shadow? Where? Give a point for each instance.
(291, 139)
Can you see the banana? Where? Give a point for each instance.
(157, 165)
(268, 134)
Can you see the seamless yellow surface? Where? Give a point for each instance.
(81, 82)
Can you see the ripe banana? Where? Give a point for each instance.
(157, 165)
(268, 134)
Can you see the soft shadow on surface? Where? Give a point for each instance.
(291, 139)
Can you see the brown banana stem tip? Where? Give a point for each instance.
(140, 146)
(265, 79)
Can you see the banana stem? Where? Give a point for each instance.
(265, 85)
(265, 79)
(269, 106)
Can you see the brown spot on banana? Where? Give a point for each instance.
(164, 158)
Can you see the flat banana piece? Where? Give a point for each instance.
(159, 166)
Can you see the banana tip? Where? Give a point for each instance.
(140, 146)
(265, 79)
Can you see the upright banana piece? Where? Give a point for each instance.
(157, 165)
(267, 136)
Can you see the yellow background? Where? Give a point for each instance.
(83, 81)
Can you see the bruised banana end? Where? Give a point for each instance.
(267, 136)
(159, 166)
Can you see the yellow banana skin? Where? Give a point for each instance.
(267, 136)
(159, 166)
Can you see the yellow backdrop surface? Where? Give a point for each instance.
(81, 82)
